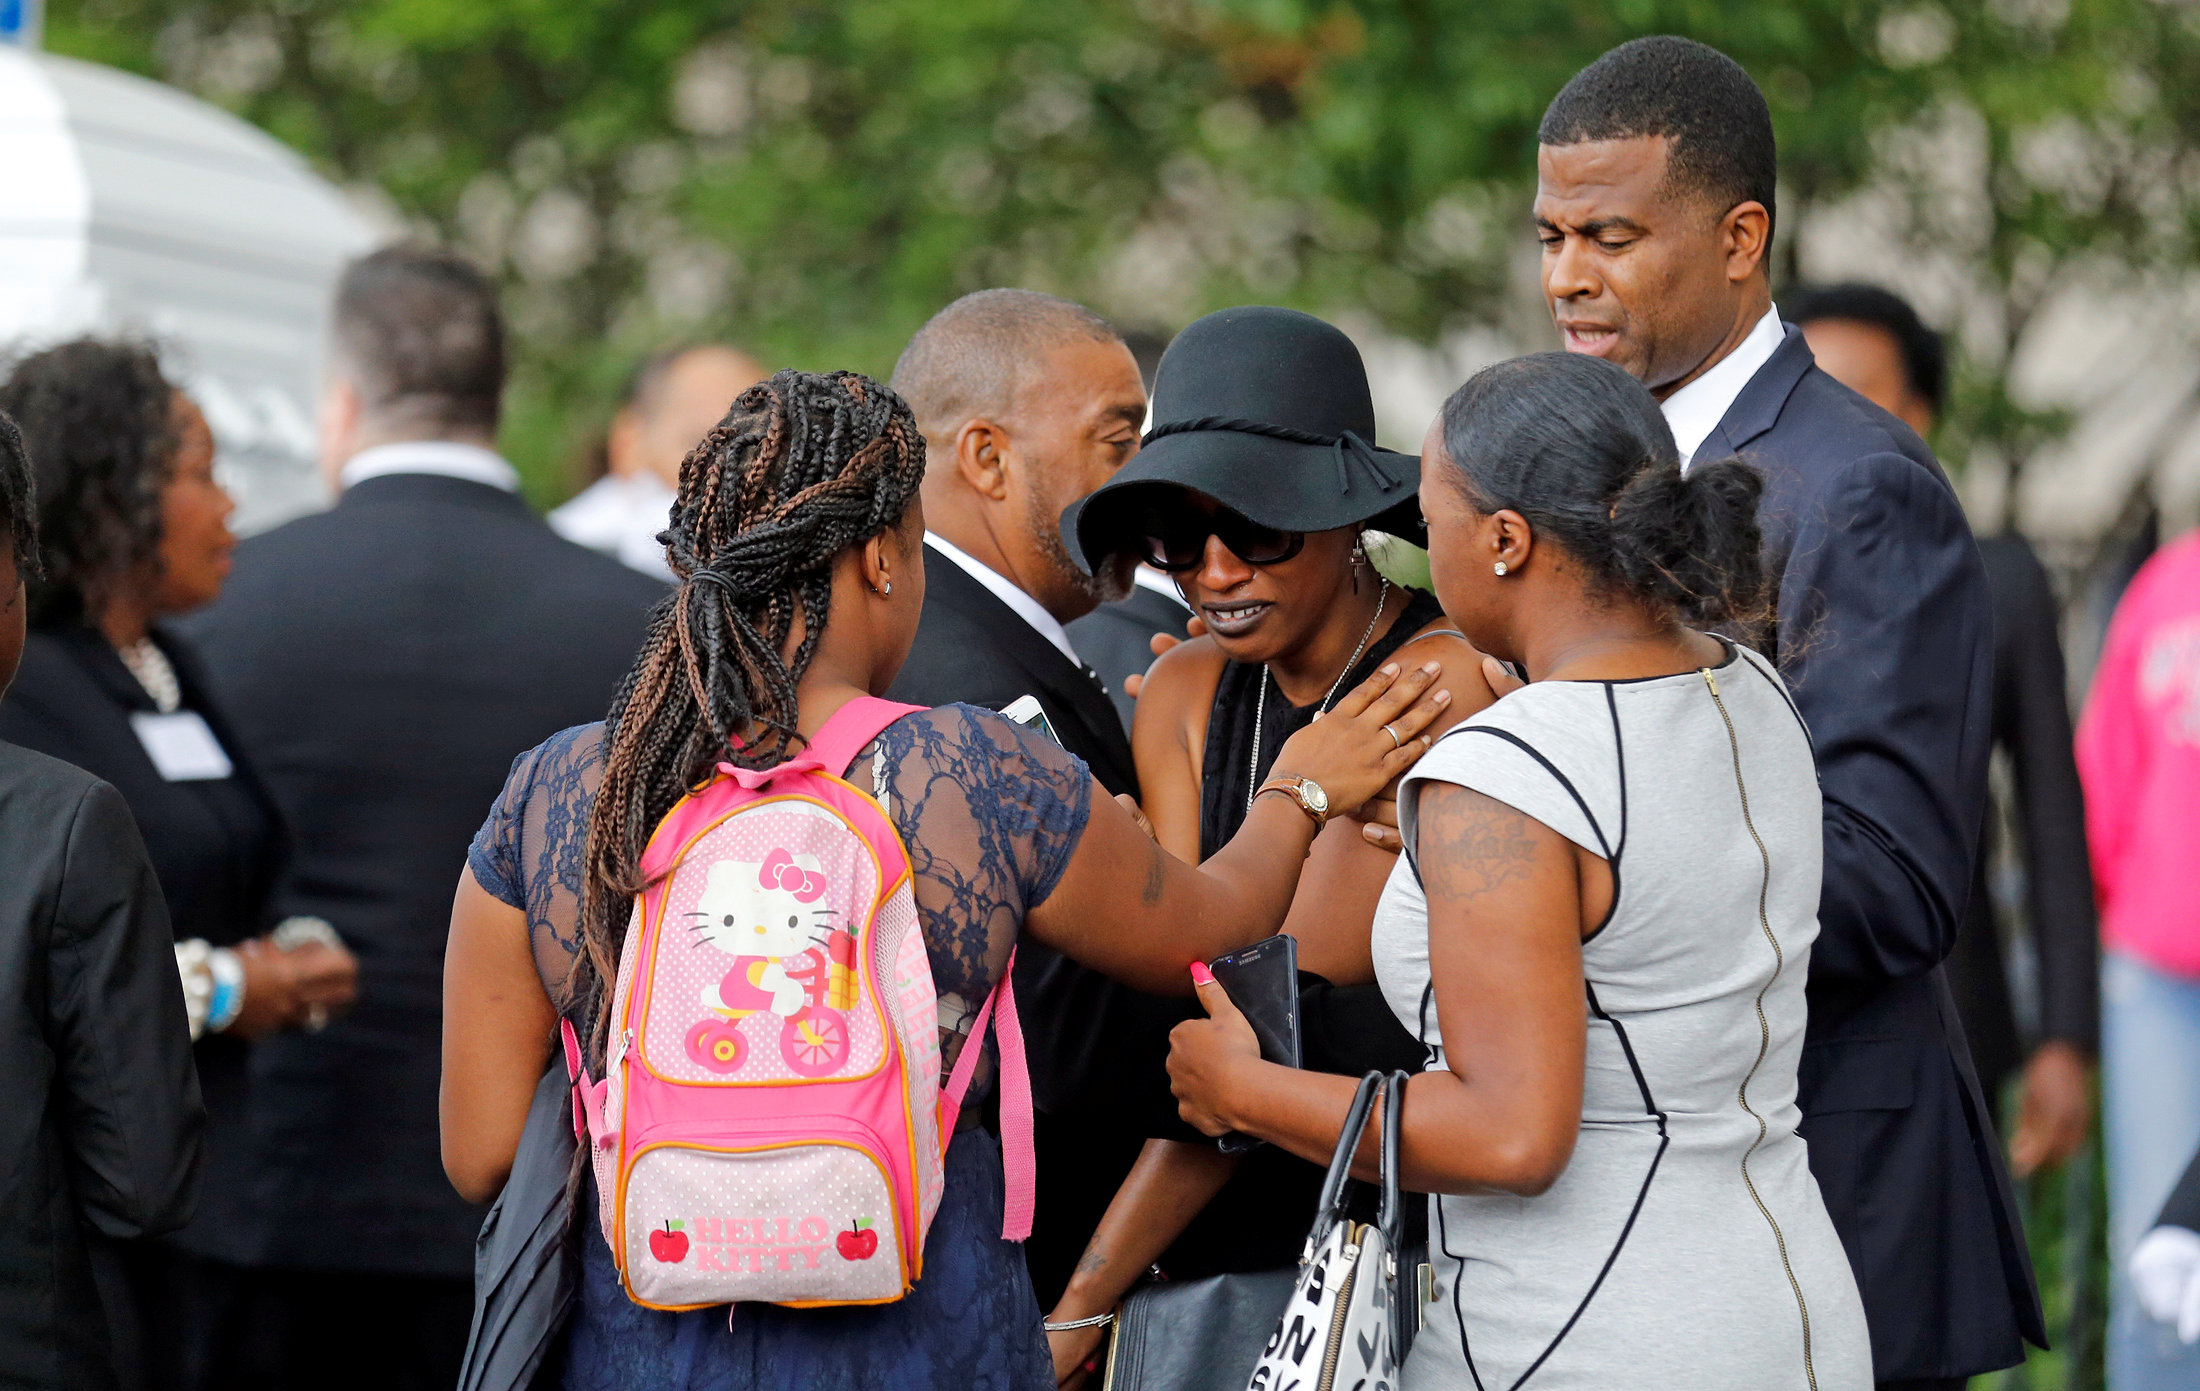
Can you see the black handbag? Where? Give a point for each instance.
(1196, 1335)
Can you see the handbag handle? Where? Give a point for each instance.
(1404, 1294)
(1392, 1215)
(1331, 1206)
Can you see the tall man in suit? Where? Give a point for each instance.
(1027, 403)
(1871, 341)
(386, 660)
(1654, 204)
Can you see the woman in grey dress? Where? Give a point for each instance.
(1601, 930)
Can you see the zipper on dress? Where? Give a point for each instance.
(1764, 1027)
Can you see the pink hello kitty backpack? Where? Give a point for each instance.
(771, 1125)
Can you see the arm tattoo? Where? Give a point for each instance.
(1471, 845)
(1156, 875)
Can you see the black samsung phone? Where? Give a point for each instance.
(1262, 980)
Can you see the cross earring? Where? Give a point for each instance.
(1500, 568)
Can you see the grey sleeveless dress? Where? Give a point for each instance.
(1685, 1246)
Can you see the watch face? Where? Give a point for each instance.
(1317, 801)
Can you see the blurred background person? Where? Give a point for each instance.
(386, 660)
(1252, 490)
(1871, 341)
(2165, 1266)
(2139, 753)
(100, 1139)
(134, 531)
(671, 401)
(1027, 403)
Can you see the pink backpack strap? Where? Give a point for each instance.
(587, 1095)
(1019, 1162)
(851, 729)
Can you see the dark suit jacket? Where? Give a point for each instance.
(101, 1129)
(217, 845)
(1116, 640)
(972, 647)
(1885, 636)
(2032, 725)
(386, 660)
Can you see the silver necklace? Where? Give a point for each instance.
(1267, 678)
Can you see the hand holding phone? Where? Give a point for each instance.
(1262, 980)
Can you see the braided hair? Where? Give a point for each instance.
(803, 467)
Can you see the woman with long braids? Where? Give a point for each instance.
(796, 539)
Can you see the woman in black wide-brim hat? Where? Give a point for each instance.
(1252, 491)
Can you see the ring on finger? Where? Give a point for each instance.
(1395, 741)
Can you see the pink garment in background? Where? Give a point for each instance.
(2139, 758)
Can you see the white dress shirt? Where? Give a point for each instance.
(1696, 409)
(1004, 589)
(621, 517)
(445, 457)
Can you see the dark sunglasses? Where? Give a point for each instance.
(1177, 542)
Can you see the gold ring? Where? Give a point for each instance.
(1395, 741)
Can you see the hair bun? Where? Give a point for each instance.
(1690, 539)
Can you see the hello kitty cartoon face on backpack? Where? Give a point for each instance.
(768, 917)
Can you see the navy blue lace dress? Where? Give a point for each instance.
(991, 813)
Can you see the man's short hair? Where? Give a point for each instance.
(1924, 353)
(968, 359)
(419, 333)
(18, 501)
(1720, 127)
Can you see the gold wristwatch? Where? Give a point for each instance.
(1305, 791)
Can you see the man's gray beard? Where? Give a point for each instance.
(1113, 582)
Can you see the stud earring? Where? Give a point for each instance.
(888, 591)
(1499, 568)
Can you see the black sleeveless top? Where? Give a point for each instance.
(1257, 1221)
(1223, 786)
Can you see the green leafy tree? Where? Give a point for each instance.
(812, 180)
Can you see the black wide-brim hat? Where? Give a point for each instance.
(1266, 411)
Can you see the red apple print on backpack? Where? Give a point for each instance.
(858, 1243)
(669, 1245)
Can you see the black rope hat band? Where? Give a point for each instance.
(1348, 447)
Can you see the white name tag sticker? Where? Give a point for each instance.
(182, 747)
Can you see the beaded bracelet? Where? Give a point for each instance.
(228, 997)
